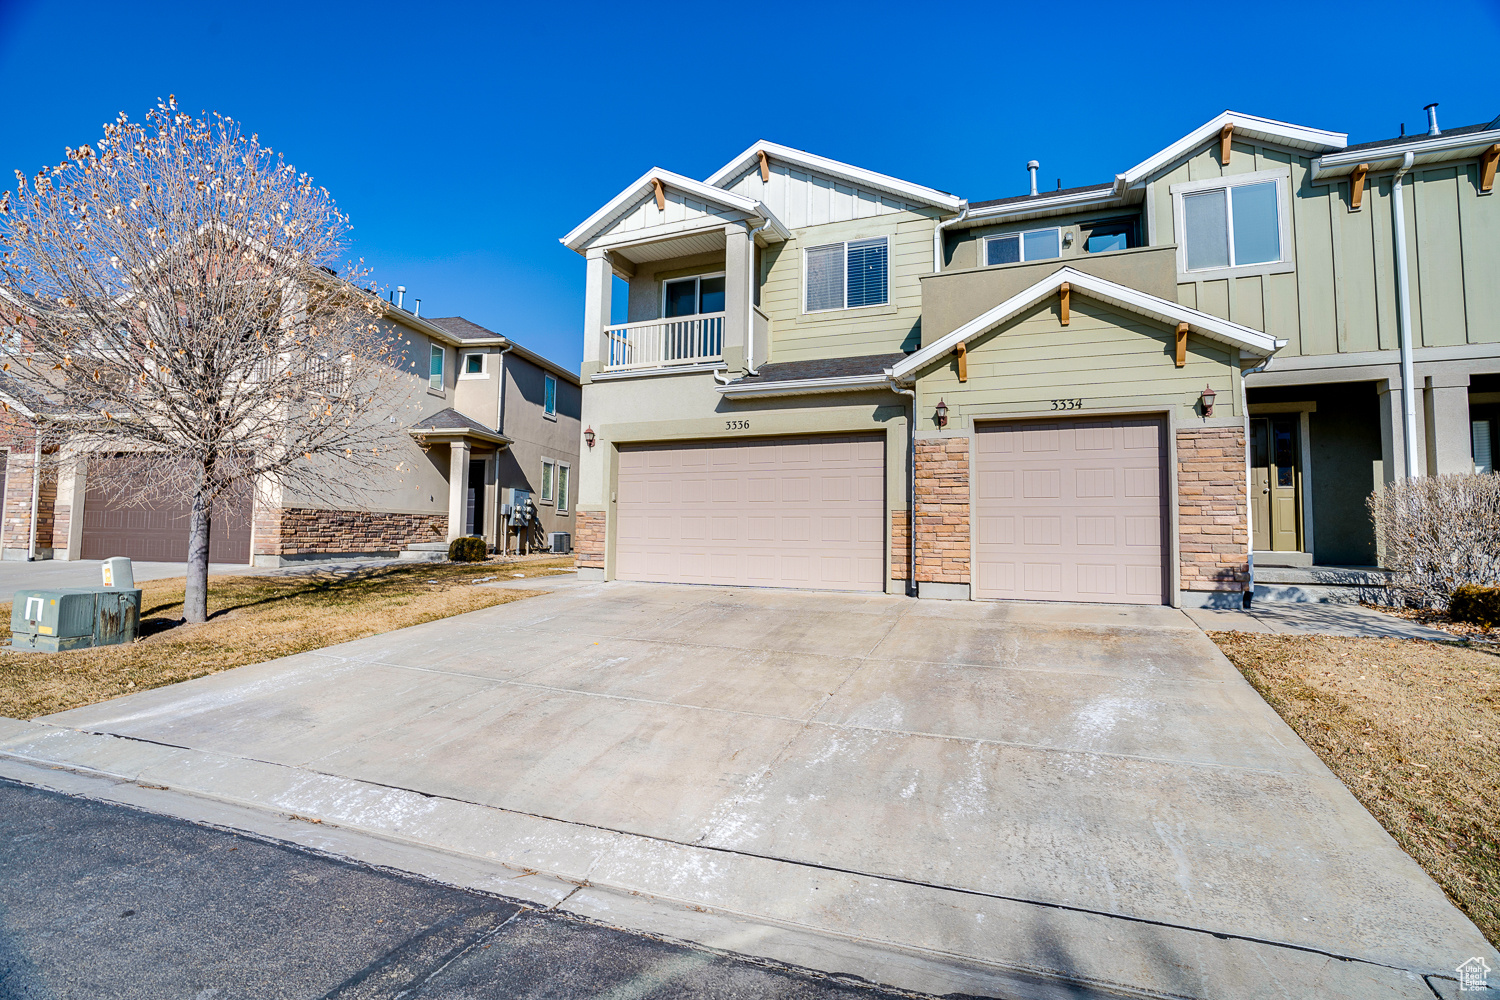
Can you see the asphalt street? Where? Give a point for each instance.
(102, 901)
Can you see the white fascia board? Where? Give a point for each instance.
(18, 406)
(1313, 140)
(806, 386)
(1247, 340)
(728, 199)
(1431, 150)
(1042, 204)
(822, 164)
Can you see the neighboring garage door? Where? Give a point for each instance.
(160, 534)
(1071, 510)
(772, 512)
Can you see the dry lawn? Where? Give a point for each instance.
(1413, 729)
(252, 618)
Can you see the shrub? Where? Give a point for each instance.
(468, 549)
(1439, 533)
(1478, 605)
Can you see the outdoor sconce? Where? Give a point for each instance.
(588, 437)
(1208, 401)
(942, 414)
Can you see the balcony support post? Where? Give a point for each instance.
(739, 275)
(596, 310)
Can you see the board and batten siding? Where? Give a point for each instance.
(1341, 297)
(1111, 360)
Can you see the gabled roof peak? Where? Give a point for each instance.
(857, 175)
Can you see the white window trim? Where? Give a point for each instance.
(1283, 178)
(553, 379)
(547, 483)
(1022, 234)
(889, 277)
(484, 365)
(441, 389)
(697, 291)
(562, 495)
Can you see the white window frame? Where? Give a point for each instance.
(546, 381)
(1283, 178)
(1021, 235)
(439, 352)
(889, 275)
(559, 487)
(697, 290)
(484, 366)
(547, 488)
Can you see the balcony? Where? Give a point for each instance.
(663, 343)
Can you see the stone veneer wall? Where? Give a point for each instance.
(588, 542)
(1213, 527)
(943, 510)
(900, 523)
(286, 531)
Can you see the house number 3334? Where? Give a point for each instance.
(1067, 404)
(737, 425)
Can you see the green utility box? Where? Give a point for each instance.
(50, 621)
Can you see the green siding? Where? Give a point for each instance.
(1479, 225)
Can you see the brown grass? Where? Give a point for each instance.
(252, 618)
(1413, 729)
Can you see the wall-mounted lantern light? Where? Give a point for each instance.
(1208, 401)
(942, 414)
(588, 437)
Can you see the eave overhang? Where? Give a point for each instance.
(587, 231)
(807, 387)
(1380, 159)
(823, 165)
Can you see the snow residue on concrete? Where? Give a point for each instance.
(970, 794)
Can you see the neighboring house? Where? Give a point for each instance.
(1060, 384)
(490, 418)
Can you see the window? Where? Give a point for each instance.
(547, 470)
(549, 395)
(847, 275)
(435, 369)
(1109, 234)
(1039, 244)
(1231, 222)
(1484, 444)
(691, 296)
(562, 488)
(473, 364)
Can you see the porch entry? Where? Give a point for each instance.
(1276, 483)
(474, 522)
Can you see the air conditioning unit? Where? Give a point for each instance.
(561, 542)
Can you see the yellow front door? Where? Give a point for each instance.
(1275, 484)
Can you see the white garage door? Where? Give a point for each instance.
(1071, 510)
(772, 512)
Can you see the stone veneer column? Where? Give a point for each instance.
(942, 480)
(588, 539)
(1213, 524)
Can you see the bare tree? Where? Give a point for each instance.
(172, 298)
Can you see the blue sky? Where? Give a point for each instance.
(464, 141)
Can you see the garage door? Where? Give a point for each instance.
(159, 534)
(1071, 510)
(779, 512)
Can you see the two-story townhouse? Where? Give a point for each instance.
(1060, 385)
(486, 421)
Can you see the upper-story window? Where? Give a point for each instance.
(702, 293)
(435, 368)
(1109, 234)
(549, 395)
(473, 366)
(847, 275)
(1038, 244)
(1232, 222)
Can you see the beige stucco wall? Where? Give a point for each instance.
(535, 436)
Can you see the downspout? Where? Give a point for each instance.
(1249, 494)
(1403, 321)
(750, 368)
(36, 493)
(502, 526)
(937, 239)
(911, 491)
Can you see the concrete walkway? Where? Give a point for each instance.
(1292, 618)
(991, 799)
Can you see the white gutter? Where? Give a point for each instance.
(36, 490)
(802, 387)
(1403, 321)
(937, 237)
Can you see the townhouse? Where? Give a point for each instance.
(489, 426)
(1132, 391)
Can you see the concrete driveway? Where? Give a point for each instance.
(948, 797)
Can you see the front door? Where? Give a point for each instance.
(476, 498)
(1275, 484)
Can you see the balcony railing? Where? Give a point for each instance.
(659, 343)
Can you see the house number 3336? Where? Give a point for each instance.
(737, 425)
(1067, 404)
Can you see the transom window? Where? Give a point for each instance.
(1231, 222)
(1012, 248)
(847, 275)
(702, 293)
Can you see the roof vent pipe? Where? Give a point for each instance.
(400, 296)
(1431, 110)
(1032, 166)
(418, 310)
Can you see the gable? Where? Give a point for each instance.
(681, 212)
(800, 197)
